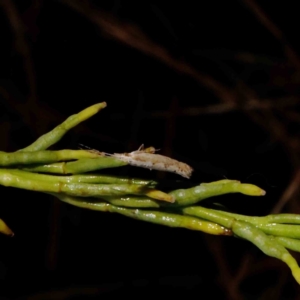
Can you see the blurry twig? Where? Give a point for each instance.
(170, 128)
(290, 191)
(132, 36)
(244, 57)
(292, 115)
(21, 46)
(83, 292)
(279, 131)
(225, 278)
(275, 31)
(241, 273)
(229, 107)
(275, 291)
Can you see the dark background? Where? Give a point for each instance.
(212, 83)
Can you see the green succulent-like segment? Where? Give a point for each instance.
(73, 177)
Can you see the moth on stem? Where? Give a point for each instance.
(147, 158)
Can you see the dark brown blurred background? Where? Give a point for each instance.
(212, 83)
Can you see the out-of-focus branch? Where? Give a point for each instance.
(222, 108)
(225, 278)
(244, 57)
(274, 30)
(21, 46)
(292, 115)
(290, 191)
(229, 107)
(132, 36)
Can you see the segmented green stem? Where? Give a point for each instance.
(289, 243)
(80, 189)
(156, 217)
(266, 244)
(284, 230)
(44, 156)
(207, 190)
(89, 178)
(208, 214)
(78, 167)
(276, 218)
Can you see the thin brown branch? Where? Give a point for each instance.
(290, 191)
(225, 278)
(275, 31)
(222, 108)
(132, 36)
(22, 47)
(266, 119)
(275, 292)
(279, 131)
(292, 116)
(242, 272)
(52, 251)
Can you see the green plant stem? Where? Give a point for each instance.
(52, 137)
(137, 198)
(156, 217)
(292, 244)
(78, 167)
(266, 244)
(208, 214)
(89, 178)
(182, 197)
(284, 230)
(79, 189)
(206, 190)
(44, 156)
(276, 218)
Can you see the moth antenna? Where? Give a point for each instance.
(107, 154)
(141, 148)
(84, 147)
(90, 149)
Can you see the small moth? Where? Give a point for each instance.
(146, 158)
